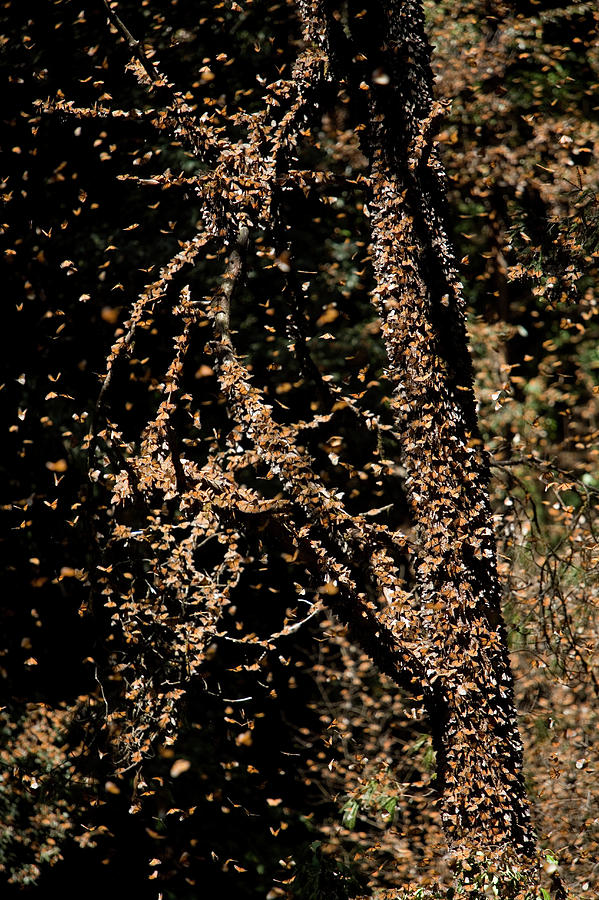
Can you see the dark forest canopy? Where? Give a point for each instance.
(302, 405)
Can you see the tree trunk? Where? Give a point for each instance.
(382, 55)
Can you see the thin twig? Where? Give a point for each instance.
(267, 644)
(134, 45)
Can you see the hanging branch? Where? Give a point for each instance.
(137, 48)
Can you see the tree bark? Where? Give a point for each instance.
(382, 55)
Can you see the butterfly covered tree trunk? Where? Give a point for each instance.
(382, 55)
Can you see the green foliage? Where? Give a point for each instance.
(372, 799)
(320, 877)
(36, 792)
